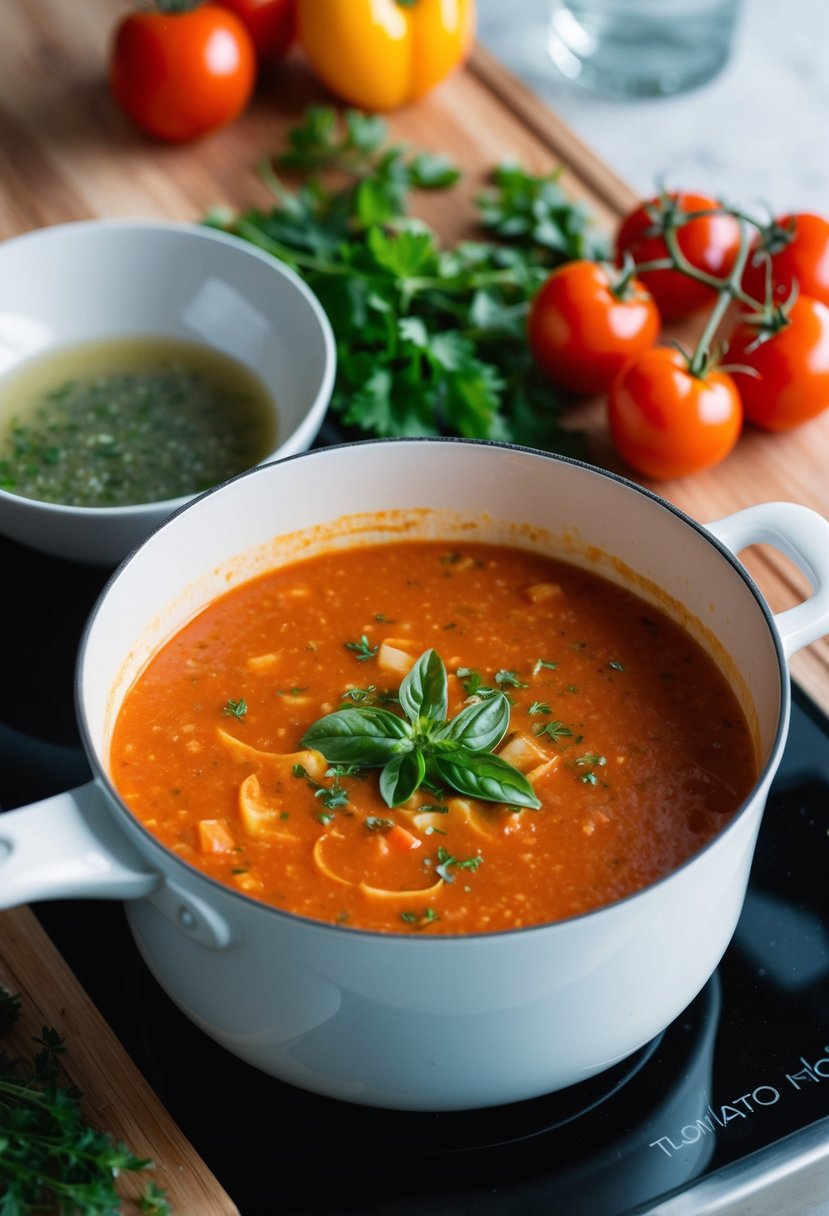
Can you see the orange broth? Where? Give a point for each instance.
(630, 735)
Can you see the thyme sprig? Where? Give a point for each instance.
(51, 1158)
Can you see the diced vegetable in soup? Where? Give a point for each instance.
(413, 737)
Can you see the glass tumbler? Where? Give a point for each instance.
(641, 48)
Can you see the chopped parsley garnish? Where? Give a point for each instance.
(591, 761)
(236, 709)
(371, 695)
(332, 797)
(509, 679)
(542, 664)
(553, 730)
(446, 861)
(363, 649)
(473, 683)
(421, 919)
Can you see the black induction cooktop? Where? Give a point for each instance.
(737, 1086)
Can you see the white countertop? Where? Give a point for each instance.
(756, 136)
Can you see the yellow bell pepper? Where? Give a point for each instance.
(384, 54)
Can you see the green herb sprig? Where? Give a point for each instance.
(431, 340)
(51, 1158)
(426, 745)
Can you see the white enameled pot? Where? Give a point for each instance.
(415, 1021)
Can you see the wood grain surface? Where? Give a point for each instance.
(116, 1097)
(67, 153)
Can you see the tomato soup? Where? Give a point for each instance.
(628, 737)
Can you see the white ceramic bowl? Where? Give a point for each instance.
(75, 283)
(417, 1021)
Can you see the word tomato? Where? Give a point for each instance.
(586, 321)
(182, 73)
(786, 376)
(793, 254)
(709, 242)
(665, 421)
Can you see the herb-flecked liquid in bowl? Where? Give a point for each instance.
(129, 421)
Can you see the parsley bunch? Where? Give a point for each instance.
(425, 745)
(51, 1159)
(430, 340)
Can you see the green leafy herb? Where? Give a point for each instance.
(236, 709)
(509, 679)
(430, 340)
(421, 919)
(473, 683)
(370, 696)
(332, 797)
(426, 745)
(591, 761)
(541, 664)
(363, 649)
(51, 1158)
(553, 730)
(375, 823)
(446, 861)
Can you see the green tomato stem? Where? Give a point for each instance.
(728, 289)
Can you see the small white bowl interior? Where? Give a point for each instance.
(96, 280)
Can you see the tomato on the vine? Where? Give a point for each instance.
(787, 381)
(181, 73)
(665, 421)
(794, 249)
(270, 23)
(586, 321)
(710, 243)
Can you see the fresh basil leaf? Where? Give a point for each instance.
(484, 776)
(424, 692)
(401, 777)
(364, 735)
(478, 727)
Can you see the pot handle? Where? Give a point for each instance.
(67, 846)
(802, 535)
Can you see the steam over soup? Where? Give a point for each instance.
(413, 737)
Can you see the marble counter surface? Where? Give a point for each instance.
(757, 135)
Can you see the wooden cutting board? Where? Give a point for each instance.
(116, 1097)
(67, 153)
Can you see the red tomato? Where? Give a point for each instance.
(270, 23)
(179, 75)
(581, 331)
(710, 243)
(790, 383)
(797, 247)
(667, 422)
